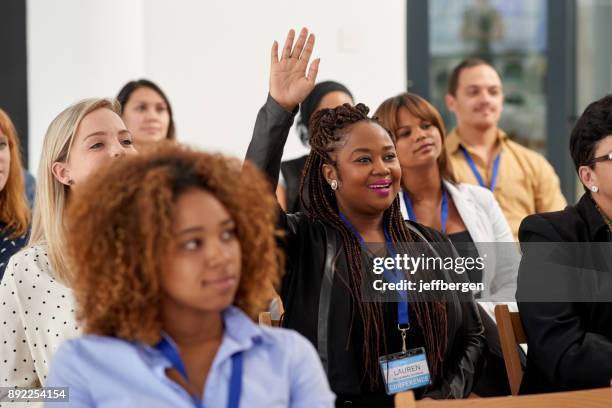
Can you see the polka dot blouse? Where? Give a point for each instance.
(36, 316)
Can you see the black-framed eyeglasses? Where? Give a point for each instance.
(607, 157)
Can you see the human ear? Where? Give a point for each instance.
(451, 102)
(61, 172)
(329, 173)
(587, 176)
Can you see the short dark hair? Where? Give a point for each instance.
(130, 87)
(594, 124)
(453, 81)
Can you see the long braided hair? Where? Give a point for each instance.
(328, 130)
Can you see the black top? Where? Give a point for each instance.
(465, 246)
(292, 172)
(318, 303)
(570, 343)
(9, 246)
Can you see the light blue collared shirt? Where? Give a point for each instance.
(281, 369)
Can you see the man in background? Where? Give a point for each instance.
(521, 179)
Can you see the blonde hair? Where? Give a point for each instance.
(51, 196)
(14, 211)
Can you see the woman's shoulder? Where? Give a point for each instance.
(89, 353)
(29, 259)
(287, 344)
(92, 344)
(556, 226)
(480, 195)
(284, 338)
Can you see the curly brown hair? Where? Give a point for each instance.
(119, 228)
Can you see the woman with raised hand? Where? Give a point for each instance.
(37, 306)
(349, 190)
(181, 242)
(14, 211)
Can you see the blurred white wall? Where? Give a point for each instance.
(211, 58)
(78, 49)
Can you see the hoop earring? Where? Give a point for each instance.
(334, 185)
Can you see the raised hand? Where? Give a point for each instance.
(289, 83)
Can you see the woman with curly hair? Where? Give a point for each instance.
(184, 245)
(349, 190)
(14, 211)
(37, 305)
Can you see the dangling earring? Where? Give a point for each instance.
(334, 185)
(594, 189)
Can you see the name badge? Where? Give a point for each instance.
(405, 371)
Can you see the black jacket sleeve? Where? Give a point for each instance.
(463, 361)
(269, 137)
(266, 152)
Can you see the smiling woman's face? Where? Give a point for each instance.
(419, 142)
(367, 170)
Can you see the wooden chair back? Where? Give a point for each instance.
(511, 336)
(265, 318)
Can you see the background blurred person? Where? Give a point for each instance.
(328, 94)
(14, 211)
(522, 180)
(147, 113)
(37, 302)
(189, 240)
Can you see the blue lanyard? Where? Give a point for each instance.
(443, 209)
(472, 165)
(403, 320)
(235, 388)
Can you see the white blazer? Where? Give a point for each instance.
(484, 220)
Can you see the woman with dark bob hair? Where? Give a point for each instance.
(564, 287)
(147, 112)
(172, 254)
(349, 191)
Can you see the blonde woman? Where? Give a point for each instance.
(37, 306)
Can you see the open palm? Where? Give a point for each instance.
(289, 83)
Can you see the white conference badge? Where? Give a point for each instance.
(405, 370)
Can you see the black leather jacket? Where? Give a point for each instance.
(320, 308)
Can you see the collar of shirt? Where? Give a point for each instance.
(453, 140)
(240, 334)
(598, 229)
